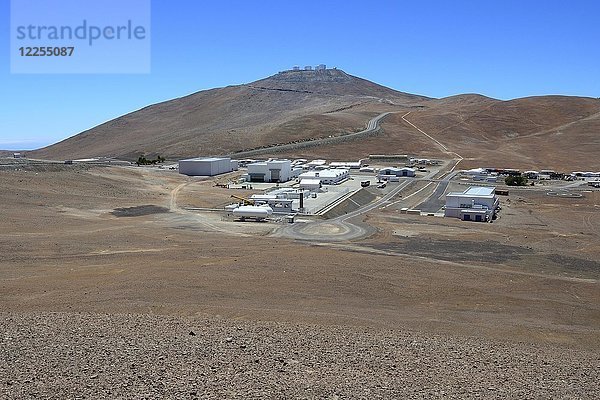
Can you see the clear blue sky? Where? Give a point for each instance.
(503, 49)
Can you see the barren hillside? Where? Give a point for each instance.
(278, 109)
(534, 132)
(557, 132)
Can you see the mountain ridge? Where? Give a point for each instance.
(304, 105)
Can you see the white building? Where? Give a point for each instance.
(405, 171)
(289, 193)
(327, 176)
(295, 172)
(474, 204)
(346, 164)
(321, 67)
(270, 171)
(315, 163)
(279, 205)
(477, 174)
(531, 174)
(205, 166)
(309, 184)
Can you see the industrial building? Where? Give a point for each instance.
(410, 172)
(474, 204)
(346, 164)
(316, 163)
(480, 174)
(380, 158)
(289, 193)
(327, 176)
(209, 166)
(310, 184)
(279, 205)
(270, 171)
(531, 174)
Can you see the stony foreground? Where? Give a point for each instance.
(60, 356)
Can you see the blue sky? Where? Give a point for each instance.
(503, 49)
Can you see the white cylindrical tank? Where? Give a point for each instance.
(257, 212)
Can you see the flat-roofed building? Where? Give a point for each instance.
(312, 185)
(327, 176)
(207, 166)
(270, 171)
(346, 164)
(392, 171)
(315, 163)
(477, 203)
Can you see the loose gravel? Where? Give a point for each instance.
(91, 356)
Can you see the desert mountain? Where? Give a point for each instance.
(559, 132)
(288, 106)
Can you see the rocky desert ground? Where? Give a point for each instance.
(111, 288)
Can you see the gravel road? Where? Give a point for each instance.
(59, 356)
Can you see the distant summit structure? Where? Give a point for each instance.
(289, 106)
(320, 67)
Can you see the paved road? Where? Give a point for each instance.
(372, 126)
(437, 199)
(340, 228)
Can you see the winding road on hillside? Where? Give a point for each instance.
(341, 229)
(372, 127)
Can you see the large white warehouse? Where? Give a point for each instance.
(474, 204)
(205, 166)
(270, 171)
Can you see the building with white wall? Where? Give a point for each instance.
(392, 171)
(270, 171)
(208, 166)
(346, 164)
(310, 184)
(315, 163)
(477, 203)
(327, 176)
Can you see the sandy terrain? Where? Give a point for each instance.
(472, 296)
(546, 132)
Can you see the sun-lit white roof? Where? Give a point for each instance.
(480, 191)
